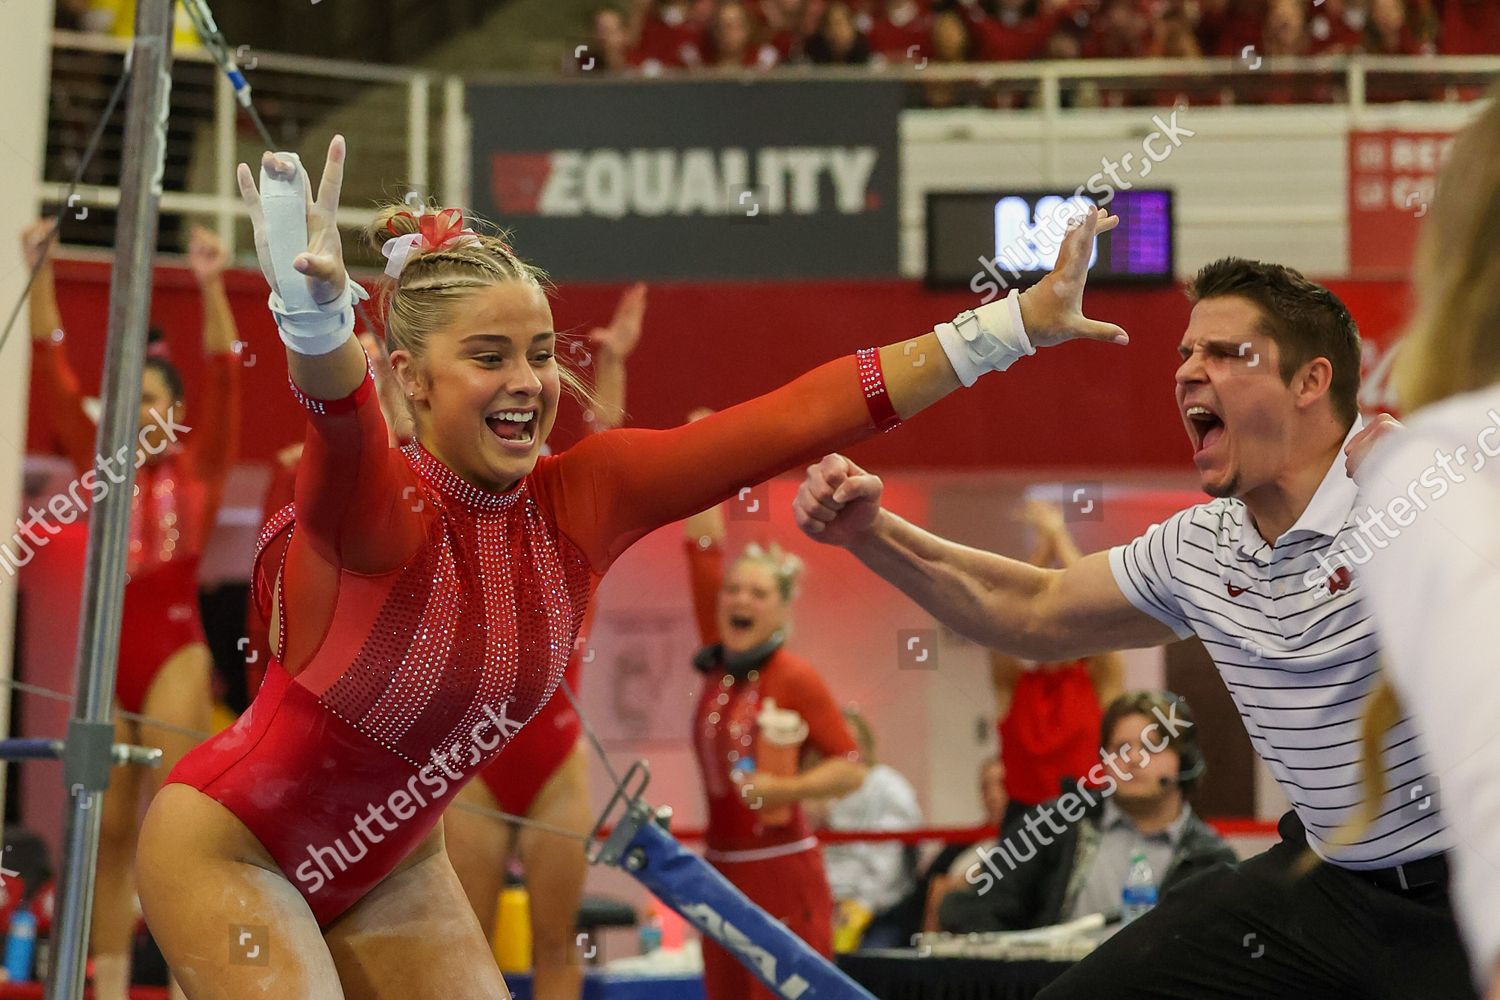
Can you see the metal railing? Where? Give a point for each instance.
(408, 129)
(405, 126)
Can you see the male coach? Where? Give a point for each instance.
(1267, 392)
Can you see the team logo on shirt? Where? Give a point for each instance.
(1339, 580)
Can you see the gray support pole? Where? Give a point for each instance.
(87, 760)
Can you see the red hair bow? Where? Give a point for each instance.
(436, 228)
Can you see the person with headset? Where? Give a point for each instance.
(1069, 857)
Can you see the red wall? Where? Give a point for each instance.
(1097, 406)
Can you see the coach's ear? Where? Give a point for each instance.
(1312, 382)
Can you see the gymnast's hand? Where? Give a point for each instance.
(1358, 448)
(1052, 309)
(837, 502)
(323, 263)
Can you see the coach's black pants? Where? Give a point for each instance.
(1257, 931)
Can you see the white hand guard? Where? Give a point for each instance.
(989, 338)
(306, 327)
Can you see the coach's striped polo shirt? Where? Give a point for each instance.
(1297, 648)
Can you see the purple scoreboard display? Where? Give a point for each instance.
(977, 239)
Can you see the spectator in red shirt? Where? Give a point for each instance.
(1121, 30)
(1390, 31)
(1226, 27)
(1336, 25)
(666, 35)
(899, 32)
(1470, 28)
(790, 25)
(838, 39)
(1020, 29)
(732, 40)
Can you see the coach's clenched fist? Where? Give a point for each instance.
(838, 501)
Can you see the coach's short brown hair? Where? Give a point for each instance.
(1305, 320)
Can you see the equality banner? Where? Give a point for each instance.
(1392, 175)
(604, 181)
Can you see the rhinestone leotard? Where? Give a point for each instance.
(424, 620)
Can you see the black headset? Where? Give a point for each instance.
(1164, 704)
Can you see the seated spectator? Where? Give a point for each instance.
(1064, 43)
(665, 35)
(1049, 869)
(1172, 37)
(946, 871)
(1226, 27)
(1019, 30)
(951, 42)
(1286, 31)
(732, 41)
(1286, 34)
(608, 50)
(899, 32)
(837, 40)
(1336, 26)
(1121, 30)
(1469, 28)
(875, 875)
(790, 25)
(1391, 32)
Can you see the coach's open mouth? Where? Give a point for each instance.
(1205, 427)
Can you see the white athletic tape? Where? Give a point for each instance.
(306, 326)
(990, 338)
(283, 202)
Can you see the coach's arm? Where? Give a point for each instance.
(1006, 604)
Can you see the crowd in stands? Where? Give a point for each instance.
(649, 36)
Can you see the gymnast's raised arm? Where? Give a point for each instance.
(655, 477)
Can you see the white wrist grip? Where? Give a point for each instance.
(990, 338)
(306, 326)
(322, 329)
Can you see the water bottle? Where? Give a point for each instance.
(650, 937)
(1139, 894)
(19, 944)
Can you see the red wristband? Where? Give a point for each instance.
(348, 404)
(872, 381)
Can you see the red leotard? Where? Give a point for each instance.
(537, 751)
(424, 619)
(279, 493)
(172, 512)
(531, 757)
